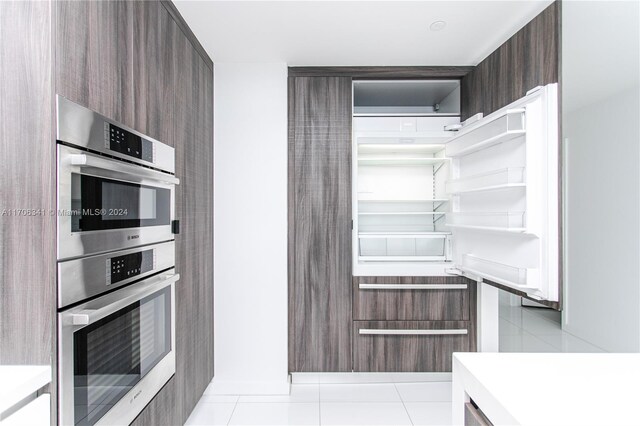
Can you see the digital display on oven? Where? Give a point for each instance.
(129, 144)
(130, 265)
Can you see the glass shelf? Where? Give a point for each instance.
(510, 177)
(400, 161)
(490, 221)
(400, 213)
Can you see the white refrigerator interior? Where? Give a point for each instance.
(432, 197)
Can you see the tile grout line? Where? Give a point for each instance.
(319, 407)
(233, 411)
(403, 405)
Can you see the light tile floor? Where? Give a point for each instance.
(526, 329)
(522, 329)
(427, 403)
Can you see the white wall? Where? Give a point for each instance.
(250, 218)
(602, 193)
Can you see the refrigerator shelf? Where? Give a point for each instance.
(507, 221)
(401, 161)
(398, 148)
(510, 177)
(405, 213)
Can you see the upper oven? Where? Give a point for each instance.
(115, 186)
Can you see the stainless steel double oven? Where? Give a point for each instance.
(116, 268)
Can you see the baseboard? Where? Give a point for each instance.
(312, 378)
(232, 387)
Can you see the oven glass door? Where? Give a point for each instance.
(101, 204)
(113, 354)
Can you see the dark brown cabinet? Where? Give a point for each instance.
(320, 223)
(155, 42)
(193, 134)
(93, 60)
(412, 324)
(136, 63)
(412, 298)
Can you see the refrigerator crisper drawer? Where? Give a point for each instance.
(403, 247)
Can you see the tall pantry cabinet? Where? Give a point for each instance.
(320, 227)
(137, 63)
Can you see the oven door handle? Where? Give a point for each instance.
(132, 294)
(97, 162)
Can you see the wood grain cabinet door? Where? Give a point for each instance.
(193, 136)
(155, 38)
(94, 61)
(320, 224)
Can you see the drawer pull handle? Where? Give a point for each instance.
(412, 332)
(364, 286)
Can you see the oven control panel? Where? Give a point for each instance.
(125, 142)
(129, 265)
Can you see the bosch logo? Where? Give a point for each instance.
(135, 396)
(133, 237)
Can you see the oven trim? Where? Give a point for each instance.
(82, 127)
(75, 286)
(75, 244)
(133, 402)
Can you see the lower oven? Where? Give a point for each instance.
(116, 352)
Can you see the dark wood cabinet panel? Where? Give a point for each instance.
(27, 182)
(93, 59)
(407, 352)
(528, 59)
(161, 411)
(193, 135)
(320, 223)
(388, 303)
(154, 32)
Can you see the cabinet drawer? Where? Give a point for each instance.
(411, 298)
(408, 346)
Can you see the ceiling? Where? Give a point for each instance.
(326, 32)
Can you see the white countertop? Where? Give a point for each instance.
(18, 382)
(549, 389)
(35, 413)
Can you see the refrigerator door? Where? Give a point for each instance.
(504, 192)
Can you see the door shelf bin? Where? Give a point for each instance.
(403, 246)
(497, 179)
(498, 220)
(504, 128)
(495, 271)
